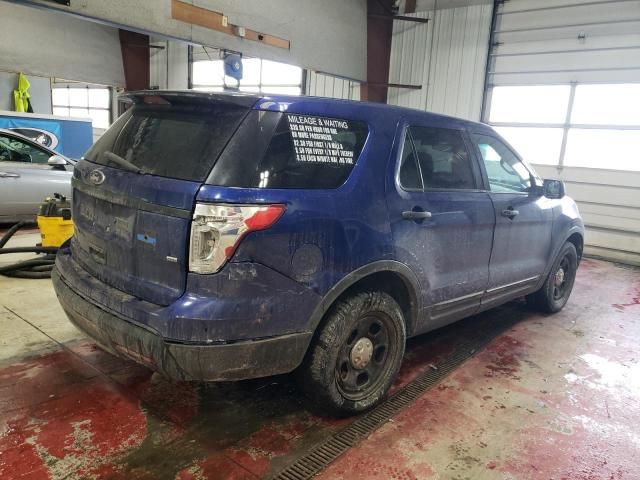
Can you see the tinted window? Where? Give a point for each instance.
(442, 157)
(281, 150)
(14, 150)
(505, 171)
(409, 174)
(171, 141)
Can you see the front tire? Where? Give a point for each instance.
(555, 291)
(356, 354)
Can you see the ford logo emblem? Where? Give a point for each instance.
(96, 177)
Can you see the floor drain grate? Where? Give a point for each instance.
(324, 454)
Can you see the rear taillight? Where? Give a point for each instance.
(217, 229)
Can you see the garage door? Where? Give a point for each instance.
(563, 87)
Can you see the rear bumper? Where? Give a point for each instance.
(180, 361)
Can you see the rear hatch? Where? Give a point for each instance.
(134, 191)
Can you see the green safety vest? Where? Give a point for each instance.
(21, 95)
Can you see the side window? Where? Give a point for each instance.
(14, 150)
(274, 150)
(410, 178)
(443, 159)
(505, 171)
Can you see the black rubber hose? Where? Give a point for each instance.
(10, 233)
(39, 267)
(36, 262)
(29, 249)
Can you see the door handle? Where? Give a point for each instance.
(510, 213)
(415, 215)
(9, 175)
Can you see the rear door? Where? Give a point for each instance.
(26, 178)
(134, 192)
(522, 240)
(442, 221)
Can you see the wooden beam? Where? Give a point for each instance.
(203, 17)
(135, 59)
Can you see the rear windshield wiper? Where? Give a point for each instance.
(122, 162)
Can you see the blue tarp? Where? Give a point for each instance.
(71, 138)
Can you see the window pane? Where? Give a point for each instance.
(443, 158)
(277, 150)
(99, 97)
(208, 72)
(612, 149)
(99, 118)
(252, 89)
(78, 97)
(530, 104)
(178, 142)
(281, 90)
(275, 73)
(60, 96)
(79, 112)
(535, 145)
(61, 111)
(607, 104)
(14, 150)
(506, 173)
(250, 71)
(409, 174)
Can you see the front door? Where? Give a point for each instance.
(442, 223)
(522, 240)
(26, 178)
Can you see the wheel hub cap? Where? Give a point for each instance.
(559, 277)
(361, 353)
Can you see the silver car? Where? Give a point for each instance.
(29, 172)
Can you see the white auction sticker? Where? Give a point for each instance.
(315, 139)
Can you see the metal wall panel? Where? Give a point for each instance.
(446, 57)
(563, 41)
(609, 201)
(323, 85)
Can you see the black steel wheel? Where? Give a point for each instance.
(362, 360)
(561, 279)
(556, 290)
(356, 354)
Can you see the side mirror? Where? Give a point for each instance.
(56, 160)
(553, 188)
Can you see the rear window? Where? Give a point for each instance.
(284, 150)
(181, 141)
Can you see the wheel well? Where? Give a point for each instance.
(396, 286)
(578, 242)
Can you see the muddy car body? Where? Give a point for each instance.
(224, 237)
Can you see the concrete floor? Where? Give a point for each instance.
(554, 397)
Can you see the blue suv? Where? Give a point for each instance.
(225, 237)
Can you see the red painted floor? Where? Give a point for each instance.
(553, 398)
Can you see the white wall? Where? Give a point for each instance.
(323, 85)
(446, 57)
(171, 61)
(326, 35)
(49, 44)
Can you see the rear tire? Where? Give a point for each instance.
(555, 291)
(355, 356)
